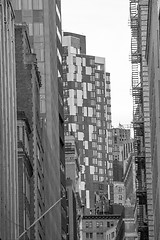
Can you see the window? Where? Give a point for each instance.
(98, 91)
(99, 123)
(99, 99)
(98, 107)
(90, 224)
(98, 83)
(94, 160)
(38, 29)
(93, 120)
(99, 163)
(101, 224)
(120, 197)
(91, 61)
(98, 114)
(97, 75)
(99, 147)
(112, 235)
(95, 177)
(94, 153)
(74, 59)
(37, 4)
(100, 139)
(99, 155)
(89, 235)
(18, 4)
(94, 144)
(92, 78)
(92, 94)
(27, 4)
(101, 179)
(93, 102)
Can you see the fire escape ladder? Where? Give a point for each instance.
(138, 122)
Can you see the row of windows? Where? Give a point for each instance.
(101, 171)
(37, 28)
(83, 60)
(28, 4)
(90, 224)
(100, 235)
(98, 178)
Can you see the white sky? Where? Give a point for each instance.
(105, 25)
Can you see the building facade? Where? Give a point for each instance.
(120, 135)
(100, 227)
(74, 213)
(141, 119)
(8, 127)
(153, 56)
(44, 23)
(119, 193)
(25, 174)
(88, 115)
(130, 181)
(28, 83)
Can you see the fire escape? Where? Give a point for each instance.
(138, 122)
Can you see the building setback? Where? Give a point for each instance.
(8, 132)
(44, 23)
(28, 102)
(88, 116)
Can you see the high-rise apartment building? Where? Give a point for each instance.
(44, 22)
(8, 131)
(87, 110)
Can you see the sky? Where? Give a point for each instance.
(105, 23)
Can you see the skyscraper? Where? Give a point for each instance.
(8, 132)
(44, 23)
(88, 115)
